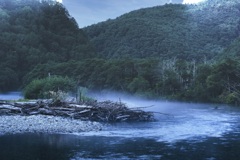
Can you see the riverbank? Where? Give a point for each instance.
(106, 111)
(45, 124)
(48, 116)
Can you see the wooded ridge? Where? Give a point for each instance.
(170, 31)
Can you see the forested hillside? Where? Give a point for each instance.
(185, 52)
(172, 30)
(33, 32)
(179, 52)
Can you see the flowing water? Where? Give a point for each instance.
(11, 96)
(183, 132)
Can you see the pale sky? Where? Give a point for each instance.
(88, 12)
(191, 1)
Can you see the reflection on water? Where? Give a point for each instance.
(70, 147)
(35, 146)
(186, 132)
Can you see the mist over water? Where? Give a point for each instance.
(181, 131)
(175, 120)
(11, 95)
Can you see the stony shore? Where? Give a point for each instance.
(45, 124)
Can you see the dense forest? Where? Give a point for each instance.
(169, 31)
(33, 32)
(174, 51)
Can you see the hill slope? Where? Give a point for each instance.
(161, 52)
(172, 30)
(33, 32)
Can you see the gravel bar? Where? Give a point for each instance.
(45, 124)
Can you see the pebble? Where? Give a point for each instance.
(45, 124)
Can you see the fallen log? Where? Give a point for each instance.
(6, 109)
(94, 111)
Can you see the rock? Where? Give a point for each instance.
(47, 124)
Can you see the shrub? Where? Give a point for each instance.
(82, 95)
(229, 98)
(40, 88)
(58, 96)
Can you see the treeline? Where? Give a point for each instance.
(36, 32)
(175, 79)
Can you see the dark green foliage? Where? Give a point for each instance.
(173, 30)
(223, 83)
(34, 32)
(8, 78)
(180, 52)
(137, 76)
(174, 79)
(184, 49)
(232, 50)
(39, 88)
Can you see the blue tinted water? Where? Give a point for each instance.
(11, 96)
(185, 132)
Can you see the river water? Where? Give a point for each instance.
(184, 132)
(11, 96)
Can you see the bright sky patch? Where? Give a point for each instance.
(191, 1)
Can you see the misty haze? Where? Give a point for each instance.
(119, 79)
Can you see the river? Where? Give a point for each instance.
(11, 95)
(184, 132)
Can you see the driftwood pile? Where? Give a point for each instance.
(95, 111)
